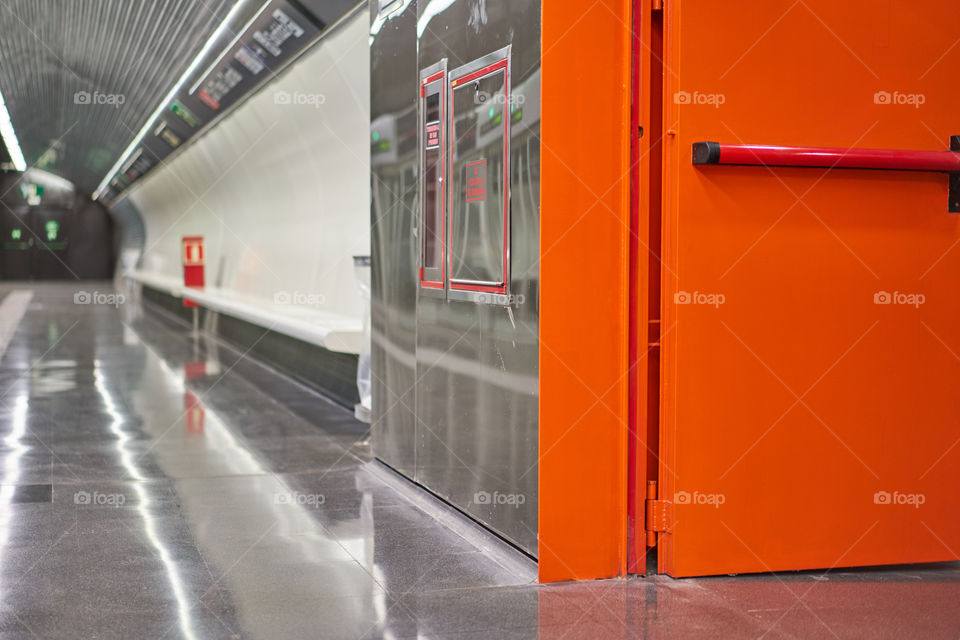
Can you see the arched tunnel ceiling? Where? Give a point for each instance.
(58, 58)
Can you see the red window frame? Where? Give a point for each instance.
(442, 200)
(495, 67)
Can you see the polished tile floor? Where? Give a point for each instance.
(157, 485)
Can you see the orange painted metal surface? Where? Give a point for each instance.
(811, 350)
(584, 275)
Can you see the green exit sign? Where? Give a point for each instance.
(16, 234)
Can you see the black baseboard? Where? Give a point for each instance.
(332, 374)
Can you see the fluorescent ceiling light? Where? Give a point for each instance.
(395, 8)
(211, 41)
(432, 10)
(10, 138)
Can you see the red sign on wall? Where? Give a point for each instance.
(477, 181)
(194, 258)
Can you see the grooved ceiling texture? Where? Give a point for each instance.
(80, 77)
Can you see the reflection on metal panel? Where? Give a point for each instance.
(456, 375)
(477, 441)
(393, 55)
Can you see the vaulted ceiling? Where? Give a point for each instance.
(80, 77)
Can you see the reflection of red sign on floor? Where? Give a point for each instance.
(433, 135)
(194, 414)
(477, 181)
(193, 411)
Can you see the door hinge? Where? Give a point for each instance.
(659, 514)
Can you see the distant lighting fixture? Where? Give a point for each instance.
(388, 9)
(10, 138)
(204, 52)
(432, 10)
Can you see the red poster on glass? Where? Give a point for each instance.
(477, 181)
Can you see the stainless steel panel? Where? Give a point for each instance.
(455, 373)
(393, 59)
(477, 364)
(432, 113)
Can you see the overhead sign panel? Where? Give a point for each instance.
(273, 38)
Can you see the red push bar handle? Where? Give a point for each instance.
(714, 153)
(825, 157)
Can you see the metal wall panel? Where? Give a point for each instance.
(477, 364)
(475, 381)
(393, 56)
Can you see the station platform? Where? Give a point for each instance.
(155, 483)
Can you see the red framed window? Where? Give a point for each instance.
(433, 228)
(479, 191)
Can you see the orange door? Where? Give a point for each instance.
(811, 317)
